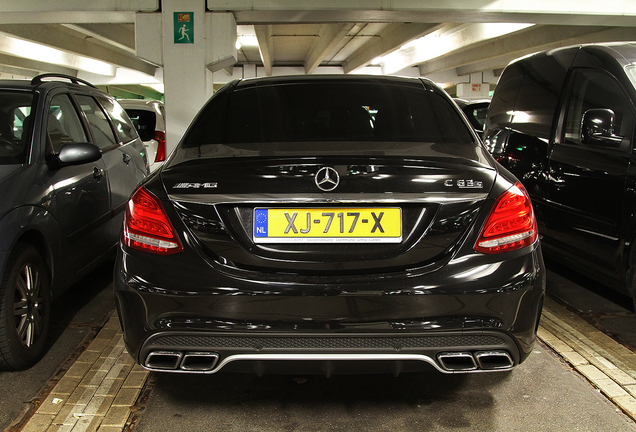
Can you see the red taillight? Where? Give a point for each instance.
(508, 158)
(160, 137)
(510, 225)
(146, 226)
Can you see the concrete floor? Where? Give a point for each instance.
(544, 393)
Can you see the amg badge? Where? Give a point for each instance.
(195, 185)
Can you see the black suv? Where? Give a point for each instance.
(562, 121)
(69, 160)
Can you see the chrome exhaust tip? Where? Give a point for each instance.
(199, 361)
(494, 360)
(457, 361)
(165, 360)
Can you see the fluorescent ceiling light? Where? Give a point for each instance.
(156, 87)
(123, 76)
(42, 53)
(443, 42)
(249, 40)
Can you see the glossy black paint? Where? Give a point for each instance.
(582, 188)
(77, 154)
(62, 203)
(226, 294)
(475, 111)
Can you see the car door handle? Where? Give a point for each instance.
(98, 173)
(557, 180)
(127, 158)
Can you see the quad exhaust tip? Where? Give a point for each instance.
(199, 361)
(457, 361)
(483, 360)
(164, 360)
(454, 361)
(176, 360)
(494, 360)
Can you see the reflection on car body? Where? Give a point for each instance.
(351, 224)
(475, 111)
(69, 160)
(148, 117)
(563, 122)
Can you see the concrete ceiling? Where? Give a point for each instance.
(449, 41)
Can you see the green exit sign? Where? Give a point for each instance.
(184, 27)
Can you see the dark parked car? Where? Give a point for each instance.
(562, 121)
(475, 111)
(69, 161)
(329, 224)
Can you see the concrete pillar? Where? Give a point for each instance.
(187, 67)
(249, 71)
(476, 89)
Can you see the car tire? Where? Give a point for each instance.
(25, 304)
(631, 277)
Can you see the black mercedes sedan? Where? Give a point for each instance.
(330, 224)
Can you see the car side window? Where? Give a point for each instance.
(123, 127)
(144, 121)
(595, 89)
(63, 124)
(98, 122)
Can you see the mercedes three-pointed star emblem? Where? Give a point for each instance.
(327, 179)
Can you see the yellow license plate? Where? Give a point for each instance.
(328, 225)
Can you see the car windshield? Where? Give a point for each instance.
(15, 126)
(297, 113)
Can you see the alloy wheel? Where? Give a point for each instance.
(28, 305)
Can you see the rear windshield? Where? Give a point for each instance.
(144, 121)
(15, 126)
(336, 112)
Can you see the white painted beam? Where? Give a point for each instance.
(28, 50)
(121, 36)
(508, 53)
(330, 36)
(148, 35)
(28, 65)
(67, 17)
(391, 38)
(265, 46)
(499, 52)
(563, 12)
(446, 40)
(80, 5)
(220, 41)
(52, 35)
(74, 11)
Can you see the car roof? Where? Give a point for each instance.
(624, 52)
(465, 102)
(139, 103)
(49, 81)
(292, 79)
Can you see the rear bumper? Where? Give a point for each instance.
(448, 319)
(449, 352)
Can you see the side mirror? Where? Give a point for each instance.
(77, 154)
(598, 128)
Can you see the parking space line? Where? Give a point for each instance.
(97, 392)
(608, 365)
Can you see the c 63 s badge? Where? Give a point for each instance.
(195, 186)
(465, 184)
